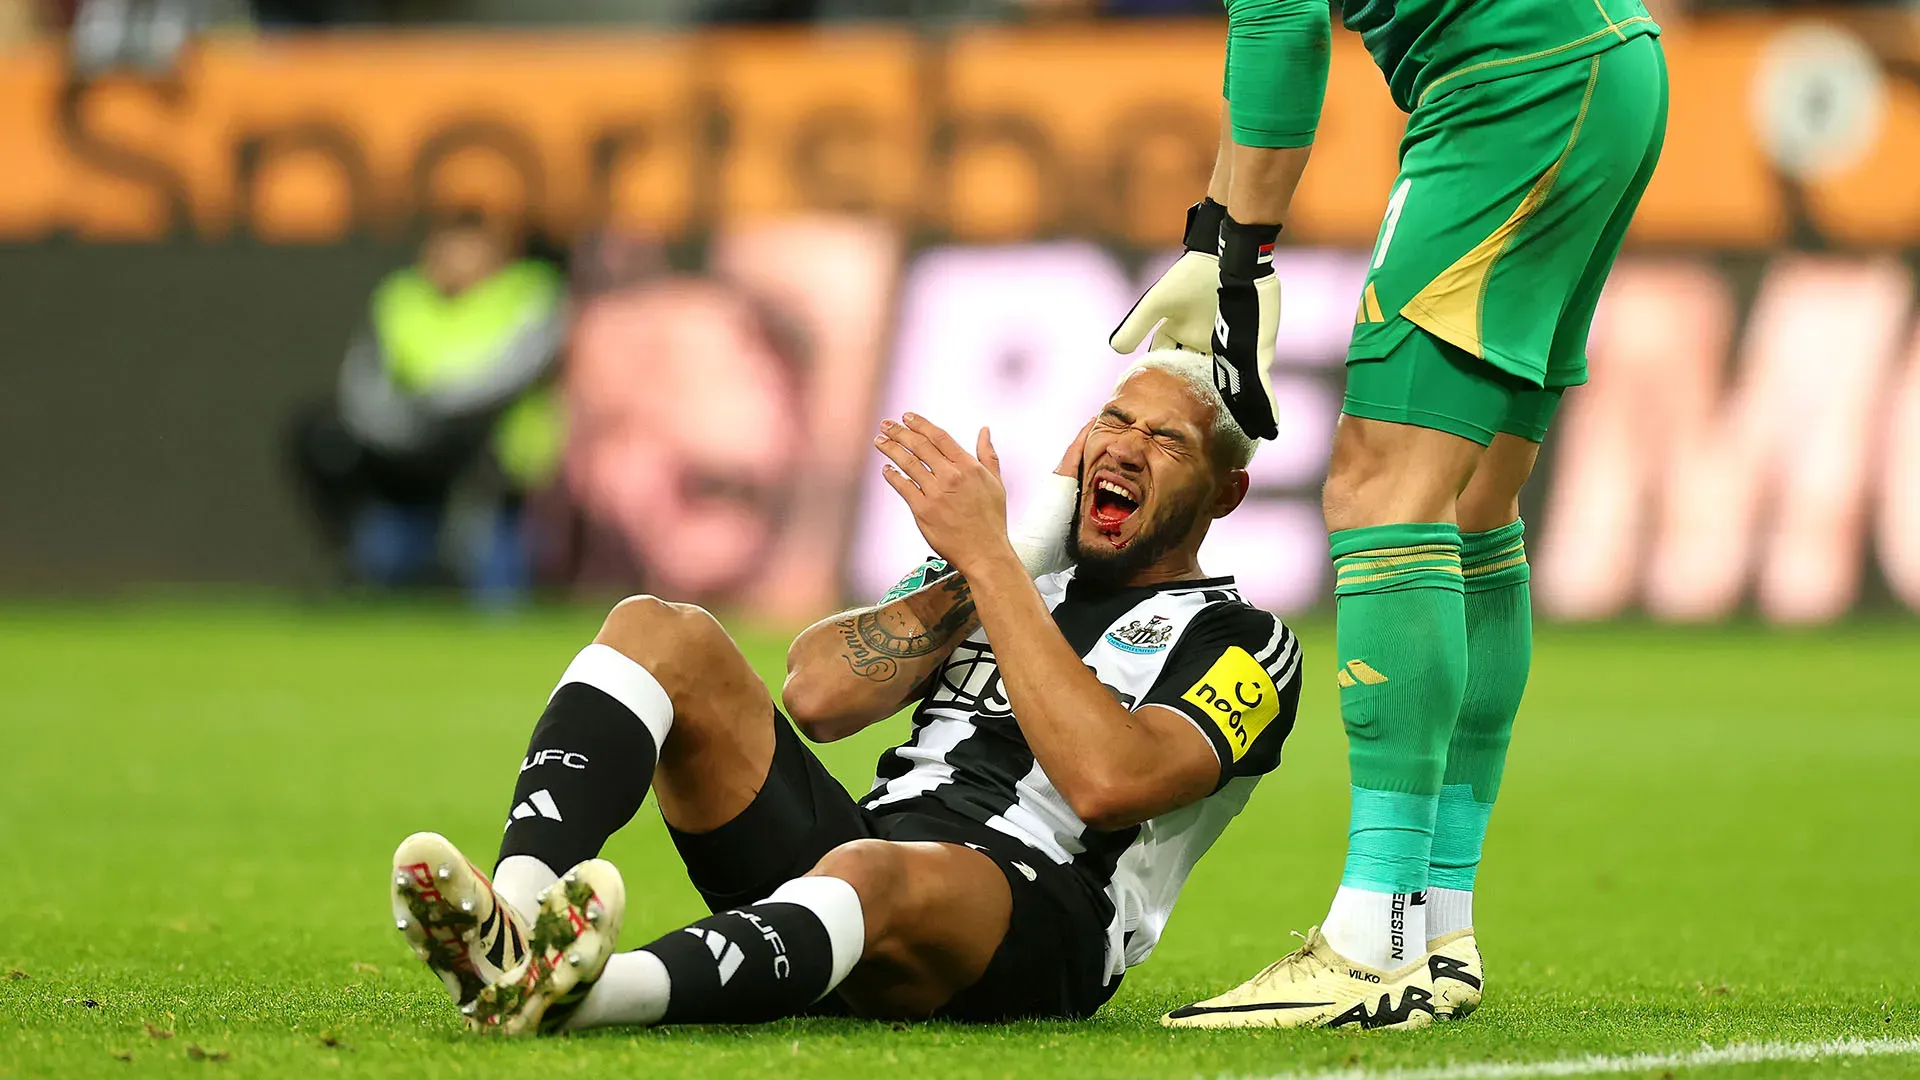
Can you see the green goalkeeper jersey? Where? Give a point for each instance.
(1431, 46)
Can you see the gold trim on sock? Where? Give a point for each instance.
(1411, 549)
(1413, 572)
(1476, 571)
(1348, 567)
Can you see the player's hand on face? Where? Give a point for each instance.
(1076, 455)
(956, 498)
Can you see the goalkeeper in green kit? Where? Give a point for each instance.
(1535, 126)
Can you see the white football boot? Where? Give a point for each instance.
(452, 917)
(1313, 986)
(1453, 962)
(573, 937)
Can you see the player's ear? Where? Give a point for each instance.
(1232, 490)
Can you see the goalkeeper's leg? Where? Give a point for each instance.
(1494, 560)
(1402, 668)
(1390, 506)
(1499, 624)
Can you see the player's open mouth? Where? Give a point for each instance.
(1113, 504)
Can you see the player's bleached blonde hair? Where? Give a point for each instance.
(1230, 444)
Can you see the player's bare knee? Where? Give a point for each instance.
(1387, 473)
(873, 867)
(1339, 497)
(1491, 499)
(1355, 472)
(1358, 492)
(676, 643)
(646, 629)
(877, 871)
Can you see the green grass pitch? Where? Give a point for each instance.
(1706, 837)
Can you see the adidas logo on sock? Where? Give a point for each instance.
(538, 804)
(725, 953)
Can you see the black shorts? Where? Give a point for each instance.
(1051, 965)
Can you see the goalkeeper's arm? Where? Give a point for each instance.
(1275, 83)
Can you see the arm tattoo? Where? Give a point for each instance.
(865, 662)
(876, 644)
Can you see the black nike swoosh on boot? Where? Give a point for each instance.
(1185, 1011)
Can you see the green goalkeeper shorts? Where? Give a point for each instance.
(1512, 201)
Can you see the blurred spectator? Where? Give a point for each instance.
(444, 418)
(686, 428)
(144, 35)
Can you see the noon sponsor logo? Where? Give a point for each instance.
(1238, 696)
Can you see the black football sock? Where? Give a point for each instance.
(766, 960)
(587, 769)
(752, 964)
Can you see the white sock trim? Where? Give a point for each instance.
(518, 880)
(608, 669)
(631, 992)
(835, 903)
(1448, 910)
(1369, 927)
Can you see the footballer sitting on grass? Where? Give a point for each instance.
(1092, 711)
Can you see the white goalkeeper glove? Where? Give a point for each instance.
(1179, 309)
(1246, 325)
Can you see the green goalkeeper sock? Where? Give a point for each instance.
(1403, 669)
(1499, 618)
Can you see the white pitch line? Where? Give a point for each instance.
(1597, 1064)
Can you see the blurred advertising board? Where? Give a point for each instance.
(1751, 437)
(1785, 130)
(786, 236)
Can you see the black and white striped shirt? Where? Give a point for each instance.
(1193, 646)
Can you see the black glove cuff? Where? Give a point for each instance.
(1246, 251)
(1203, 226)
